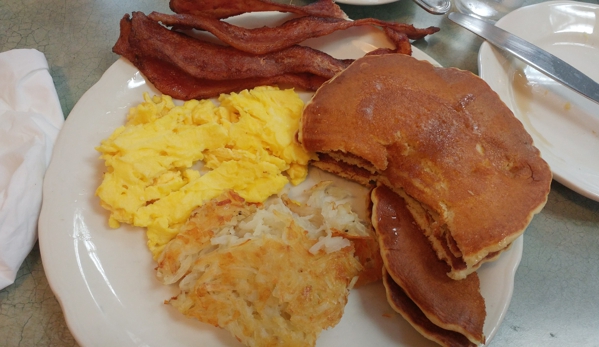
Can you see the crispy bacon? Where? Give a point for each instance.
(206, 60)
(228, 8)
(266, 39)
(400, 40)
(186, 67)
(172, 81)
(176, 82)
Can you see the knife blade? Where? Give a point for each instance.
(540, 59)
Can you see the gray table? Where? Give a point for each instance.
(556, 294)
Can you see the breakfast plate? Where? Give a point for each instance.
(104, 278)
(564, 125)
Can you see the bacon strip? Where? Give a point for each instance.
(228, 8)
(206, 60)
(400, 40)
(171, 80)
(266, 39)
(174, 82)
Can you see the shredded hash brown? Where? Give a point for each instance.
(265, 273)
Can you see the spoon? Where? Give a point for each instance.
(434, 6)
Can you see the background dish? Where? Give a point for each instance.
(104, 278)
(563, 124)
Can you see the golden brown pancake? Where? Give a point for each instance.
(443, 140)
(402, 304)
(410, 261)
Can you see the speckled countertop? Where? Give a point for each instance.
(556, 293)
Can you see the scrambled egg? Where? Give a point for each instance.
(246, 144)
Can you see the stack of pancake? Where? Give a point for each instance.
(442, 146)
(449, 312)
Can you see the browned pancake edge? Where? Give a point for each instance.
(412, 264)
(402, 304)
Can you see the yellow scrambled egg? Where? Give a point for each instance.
(246, 144)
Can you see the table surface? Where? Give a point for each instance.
(556, 292)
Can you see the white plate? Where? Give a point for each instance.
(104, 278)
(563, 124)
(365, 2)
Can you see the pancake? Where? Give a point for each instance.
(456, 306)
(345, 170)
(442, 139)
(402, 304)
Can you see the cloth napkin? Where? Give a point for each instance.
(30, 119)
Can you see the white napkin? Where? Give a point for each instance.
(30, 119)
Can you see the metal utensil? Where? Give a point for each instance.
(434, 6)
(542, 60)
